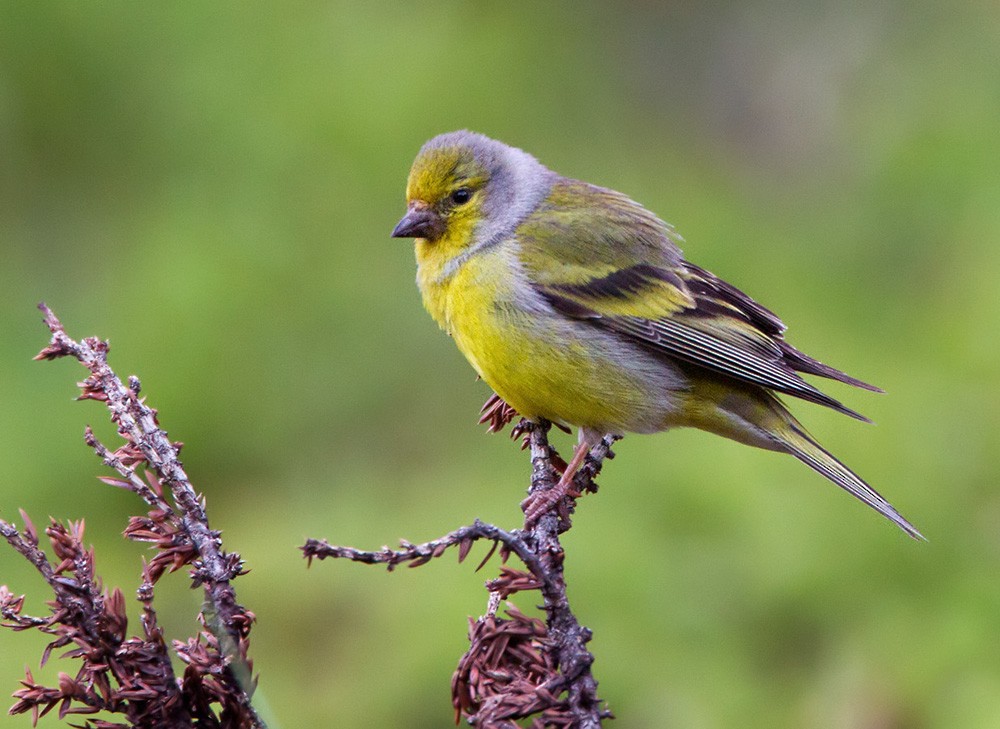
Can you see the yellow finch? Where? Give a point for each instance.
(574, 303)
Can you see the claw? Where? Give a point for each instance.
(541, 501)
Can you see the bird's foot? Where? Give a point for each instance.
(539, 502)
(542, 502)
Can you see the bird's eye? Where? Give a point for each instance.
(461, 196)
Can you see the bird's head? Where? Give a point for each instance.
(466, 190)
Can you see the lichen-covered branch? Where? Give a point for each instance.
(569, 637)
(517, 667)
(138, 425)
(134, 677)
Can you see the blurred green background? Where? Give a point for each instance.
(212, 187)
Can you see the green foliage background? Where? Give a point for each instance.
(211, 187)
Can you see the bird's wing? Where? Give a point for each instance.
(603, 253)
(596, 255)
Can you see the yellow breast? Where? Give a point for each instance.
(543, 364)
(472, 301)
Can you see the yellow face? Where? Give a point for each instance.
(447, 187)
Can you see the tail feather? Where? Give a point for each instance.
(755, 416)
(802, 446)
(802, 362)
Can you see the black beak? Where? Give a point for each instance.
(419, 222)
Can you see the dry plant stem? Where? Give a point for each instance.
(28, 547)
(538, 547)
(137, 423)
(571, 638)
(417, 554)
(93, 621)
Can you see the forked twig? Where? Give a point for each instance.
(134, 677)
(517, 667)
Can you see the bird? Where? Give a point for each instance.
(576, 305)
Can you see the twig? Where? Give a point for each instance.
(138, 425)
(516, 667)
(135, 676)
(570, 638)
(93, 620)
(418, 554)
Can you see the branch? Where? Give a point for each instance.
(93, 620)
(516, 667)
(415, 555)
(570, 638)
(137, 423)
(135, 676)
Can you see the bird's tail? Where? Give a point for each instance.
(794, 439)
(755, 416)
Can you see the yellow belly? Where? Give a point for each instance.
(543, 364)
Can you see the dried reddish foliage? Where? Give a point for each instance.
(503, 675)
(133, 677)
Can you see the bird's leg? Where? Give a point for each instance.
(540, 501)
